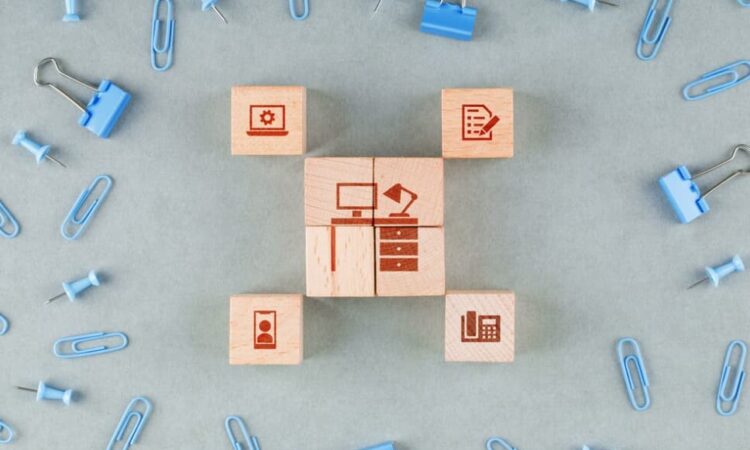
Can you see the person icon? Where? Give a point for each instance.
(265, 338)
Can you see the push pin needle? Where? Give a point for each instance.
(212, 4)
(715, 274)
(607, 2)
(74, 288)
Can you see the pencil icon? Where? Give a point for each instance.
(489, 125)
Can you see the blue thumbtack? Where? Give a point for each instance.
(211, 4)
(715, 274)
(71, 11)
(591, 4)
(383, 446)
(685, 196)
(46, 392)
(448, 20)
(75, 287)
(103, 109)
(39, 151)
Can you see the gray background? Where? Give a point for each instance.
(575, 224)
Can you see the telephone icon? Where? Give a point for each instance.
(480, 328)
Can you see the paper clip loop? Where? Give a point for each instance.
(4, 325)
(79, 222)
(305, 9)
(734, 397)
(499, 441)
(127, 416)
(650, 39)
(744, 3)
(76, 341)
(167, 46)
(6, 218)
(251, 441)
(8, 431)
(636, 360)
(733, 78)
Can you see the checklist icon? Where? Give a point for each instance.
(477, 123)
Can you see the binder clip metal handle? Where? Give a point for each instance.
(55, 88)
(733, 175)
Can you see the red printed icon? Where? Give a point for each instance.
(265, 330)
(267, 120)
(479, 328)
(477, 122)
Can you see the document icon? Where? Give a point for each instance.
(477, 123)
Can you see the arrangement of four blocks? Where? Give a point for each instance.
(374, 226)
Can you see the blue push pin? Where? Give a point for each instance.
(71, 11)
(715, 274)
(39, 151)
(383, 446)
(591, 4)
(46, 392)
(73, 288)
(211, 4)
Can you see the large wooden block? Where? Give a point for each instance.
(265, 329)
(339, 261)
(339, 191)
(410, 261)
(480, 326)
(477, 123)
(269, 120)
(411, 192)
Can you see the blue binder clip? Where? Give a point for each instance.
(250, 441)
(591, 4)
(499, 441)
(728, 76)
(383, 446)
(6, 433)
(75, 343)
(75, 222)
(448, 20)
(103, 110)
(653, 40)
(739, 380)
(9, 227)
(128, 416)
(636, 360)
(167, 46)
(685, 196)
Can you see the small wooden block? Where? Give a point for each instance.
(403, 180)
(339, 261)
(269, 120)
(410, 261)
(480, 326)
(265, 329)
(339, 191)
(477, 123)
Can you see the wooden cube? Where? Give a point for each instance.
(410, 261)
(339, 261)
(480, 326)
(265, 329)
(339, 191)
(269, 120)
(477, 123)
(410, 192)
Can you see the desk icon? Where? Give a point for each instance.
(477, 122)
(267, 120)
(480, 329)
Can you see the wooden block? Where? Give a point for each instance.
(339, 191)
(480, 326)
(265, 329)
(477, 123)
(269, 120)
(410, 192)
(340, 261)
(410, 261)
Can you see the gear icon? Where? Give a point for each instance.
(267, 117)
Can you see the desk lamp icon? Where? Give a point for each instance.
(394, 193)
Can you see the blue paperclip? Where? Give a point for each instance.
(649, 39)
(744, 3)
(79, 222)
(636, 359)
(736, 390)
(448, 20)
(6, 429)
(729, 71)
(167, 47)
(384, 446)
(6, 218)
(499, 441)
(305, 9)
(76, 341)
(4, 325)
(127, 416)
(251, 441)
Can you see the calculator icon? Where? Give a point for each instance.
(480, 328)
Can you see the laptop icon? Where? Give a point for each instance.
(267, 120)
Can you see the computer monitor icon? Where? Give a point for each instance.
(357, 197)
(267, 120)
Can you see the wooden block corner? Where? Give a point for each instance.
(477, 123)
(480, 326)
